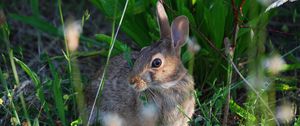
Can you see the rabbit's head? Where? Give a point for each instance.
(159, 65)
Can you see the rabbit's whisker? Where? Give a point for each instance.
(152, 94)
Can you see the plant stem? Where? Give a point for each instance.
(114, 35)
(67, 54)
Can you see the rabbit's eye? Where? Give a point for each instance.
(156, 63)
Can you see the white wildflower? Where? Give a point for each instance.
(72, 34)
(285, 113)
(274, 64)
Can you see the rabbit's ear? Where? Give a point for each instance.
(163, 21)
(179, 31)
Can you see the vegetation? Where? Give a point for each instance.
(243, 54)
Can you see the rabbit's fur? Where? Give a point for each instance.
(165, 83)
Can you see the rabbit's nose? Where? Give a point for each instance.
(138, 83)
(134, 80)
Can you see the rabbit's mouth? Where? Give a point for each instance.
(138, 84)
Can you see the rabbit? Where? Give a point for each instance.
(157, 74)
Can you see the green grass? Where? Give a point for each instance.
(232, 84)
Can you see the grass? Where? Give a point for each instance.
(234, 85)
(112, 43)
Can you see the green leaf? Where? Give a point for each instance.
(120, 46)
(37, 82)
(77, 122)
(186, 56)
(190, 16)
(285, 87)
(288, 67)
(235, 108)
(152, 23)
(57, 92)
(35, 7)
(36, 122)
(37, 23)
(111, 8)
(135, 28)
(217, 20)
(297, 121)
(137, 6)
(28, 71)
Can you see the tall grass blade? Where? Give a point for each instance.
(4, 37)
(3, 81)
(38, 86)
(5, 33)
(30, 73)
(16, 77)
(68, 59)
(107, 61)
(56, 89)
(78, 87)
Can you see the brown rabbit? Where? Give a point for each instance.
(158, 74)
